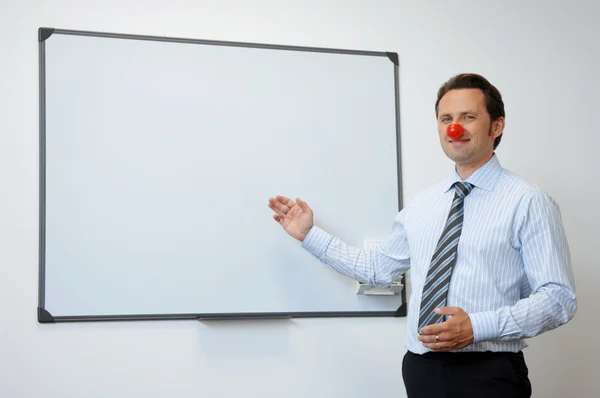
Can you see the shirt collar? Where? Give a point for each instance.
(484, 177)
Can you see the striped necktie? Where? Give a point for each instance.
(436, 285)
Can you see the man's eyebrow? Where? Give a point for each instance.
(461, 113)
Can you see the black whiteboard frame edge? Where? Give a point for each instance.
(42, 179)
(402, 310)
(44, 316)
(45, 33)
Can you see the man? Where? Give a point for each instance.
(488, 253)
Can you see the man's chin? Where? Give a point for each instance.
(458, 158)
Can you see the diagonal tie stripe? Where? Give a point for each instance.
(436, 279)
(447, 242)
(463, 189)
(432, 292)
(442, 263)
(435, 289)
(454, 220)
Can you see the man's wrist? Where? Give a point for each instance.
(316, 241)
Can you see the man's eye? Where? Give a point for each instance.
(469, 117)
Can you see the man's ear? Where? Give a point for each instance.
(498, 127)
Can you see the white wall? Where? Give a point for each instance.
(543, 56)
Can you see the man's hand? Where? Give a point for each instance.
(454, 334)
(295, 217)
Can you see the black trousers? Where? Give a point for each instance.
(466, 375)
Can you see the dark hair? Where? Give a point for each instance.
(493, 99)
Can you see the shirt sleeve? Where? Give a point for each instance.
(379, 267)
(547, 264)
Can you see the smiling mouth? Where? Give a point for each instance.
(465, 140)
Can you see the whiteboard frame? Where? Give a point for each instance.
(44, 316)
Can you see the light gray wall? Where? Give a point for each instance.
(544, 58)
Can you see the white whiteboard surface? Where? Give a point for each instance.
(158, 158)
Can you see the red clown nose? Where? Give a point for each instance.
(454, 131)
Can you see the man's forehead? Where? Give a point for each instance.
(462, 100)
(471, 96)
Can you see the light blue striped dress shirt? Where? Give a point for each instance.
(513, 273)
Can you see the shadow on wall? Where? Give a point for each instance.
(245, 339)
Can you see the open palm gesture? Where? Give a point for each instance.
(295, 217)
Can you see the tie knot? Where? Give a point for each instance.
(463, 188)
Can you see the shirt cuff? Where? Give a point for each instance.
(317, 241)
(484, 326)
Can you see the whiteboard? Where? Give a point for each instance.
(157, 159)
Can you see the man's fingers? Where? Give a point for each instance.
(447, 310)
(438, 342)
(284, 200)
(439, 346)
(433, 329)
(276, 209)
(276, 218)
(279, 205)
(431, 338)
